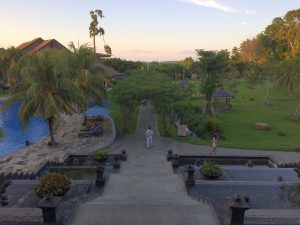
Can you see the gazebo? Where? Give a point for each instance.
(221, 101)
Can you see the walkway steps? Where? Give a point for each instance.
(144, 214)
(133, 188)
(146, 191)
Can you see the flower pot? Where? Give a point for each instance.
(211, 177)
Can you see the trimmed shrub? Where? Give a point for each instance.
(53, 183)
(99, 155)
(210, 168)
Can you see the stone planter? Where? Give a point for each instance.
(211, 177)
(100, 160)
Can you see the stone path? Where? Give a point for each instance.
(146, 192)
(35, 156)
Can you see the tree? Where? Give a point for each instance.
(289, 74)
(253, 51)
(86, 73)
(126, 93)
(95, 30)
(46, 89)
(167, 103)
(253, 77)
(187, 65)
(9, 59)
(289, 78)
(237, 63)
(122, 65)
(213, 64)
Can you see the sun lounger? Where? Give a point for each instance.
(96, 131)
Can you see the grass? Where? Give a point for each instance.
(239, 124)
(116, 115)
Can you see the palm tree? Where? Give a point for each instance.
(86, 74)
(9, 59)
(289, 78)
(289, 74)
(46, 89)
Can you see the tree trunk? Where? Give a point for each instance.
(125, 115)
(208, 109)
(267, 97)
(50, 124)
(94, 41)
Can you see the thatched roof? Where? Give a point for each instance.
(222, 94)
(39, 44)
(111, 73)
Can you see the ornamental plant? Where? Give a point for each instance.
(210, 168)
(53, 183)
(99, 155)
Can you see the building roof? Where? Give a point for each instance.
(221, 93)
(112, 73)
(103, 55)
(39, 44)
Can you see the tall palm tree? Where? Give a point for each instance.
(46, 89)
(86, 73)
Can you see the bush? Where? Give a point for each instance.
(211, 125)
(210, 168)
(99, 155)
(54, 183)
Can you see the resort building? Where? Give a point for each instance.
(39, 44)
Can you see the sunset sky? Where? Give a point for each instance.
(142, 29)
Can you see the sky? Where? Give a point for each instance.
(147, 30)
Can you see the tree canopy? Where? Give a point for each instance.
(46, 89)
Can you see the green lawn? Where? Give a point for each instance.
(116, 115)
(239, 124)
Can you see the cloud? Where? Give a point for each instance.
(249, 12)
(211, 4)
(244, 24)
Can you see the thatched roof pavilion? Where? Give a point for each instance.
(110, 72)
(221, 94)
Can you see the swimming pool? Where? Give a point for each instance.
(15, 135)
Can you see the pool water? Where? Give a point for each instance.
(15, 135)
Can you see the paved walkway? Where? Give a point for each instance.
(35, 156)
(146, 192)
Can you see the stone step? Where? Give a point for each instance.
(29, 215)
(272, 216)
(143, 214)
(137, 188)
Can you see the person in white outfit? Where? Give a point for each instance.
(214, 144)
(149, 134)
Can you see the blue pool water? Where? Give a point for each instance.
(15, 135)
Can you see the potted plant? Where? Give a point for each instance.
(99, 155)
(53, 183)
(211, 170)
